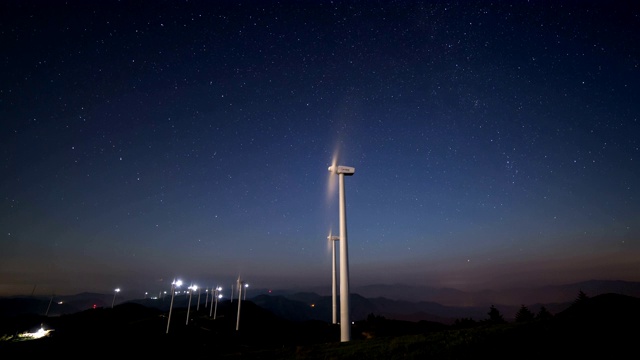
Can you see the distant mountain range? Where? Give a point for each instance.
(514, 296)
(401, 302)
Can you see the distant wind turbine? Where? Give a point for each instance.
(334, 278)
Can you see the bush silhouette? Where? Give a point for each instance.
(495, 317)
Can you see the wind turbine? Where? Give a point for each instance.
(334, 278)
(345, 329)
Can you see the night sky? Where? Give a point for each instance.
(495, 144)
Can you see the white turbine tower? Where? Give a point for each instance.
(334, 279)
(345, 324)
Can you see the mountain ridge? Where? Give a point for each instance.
(302, 306)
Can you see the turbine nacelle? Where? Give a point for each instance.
(346, 170)
(333, 238)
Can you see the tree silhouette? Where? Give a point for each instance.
(495, 316)
(374, 319)
(524, 315)
(543, 314)
(582, 297)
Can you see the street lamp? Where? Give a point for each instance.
(240, 286)
(48, 307)
(198, 306)
(215, 294)
(175, 284)
(246, 286)
(116, 291)
(345, 329)
(334, 279)
(192, 288)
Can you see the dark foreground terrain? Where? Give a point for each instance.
(602, 326)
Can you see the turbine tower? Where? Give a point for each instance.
(334, 279)
(345, 323)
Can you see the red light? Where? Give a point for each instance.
(95, 306)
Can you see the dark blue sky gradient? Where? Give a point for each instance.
(494, 144)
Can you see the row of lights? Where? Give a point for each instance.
(215, 294)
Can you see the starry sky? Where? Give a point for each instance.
(495, 143)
